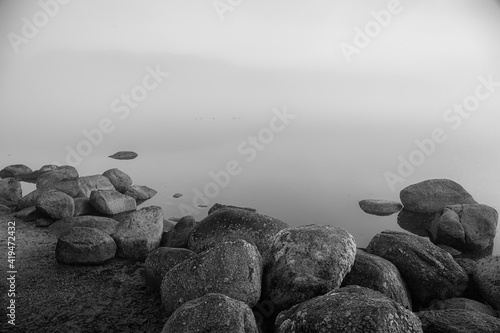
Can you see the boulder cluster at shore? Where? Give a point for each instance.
(238, 271)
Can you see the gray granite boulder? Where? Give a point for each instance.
(62, 173)
(178, 236)
(105, 224)
(94, 183)
(55, 204)
(307, 261)
(15, 171)
(120, 180)
(111, 202)
(69, 186)
(431, 196)
(160, 261)
(378, 274)
(139, 233)
(487, 278)
(232, 268)
(212, 313)
(232, 223)
(348, 309)
(458, 321)
(10, 189)
(380, 207)
(429, 271)
(140, 193)
(84, 246)
(461, 303)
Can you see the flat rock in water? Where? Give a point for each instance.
(177, 195)
(124, 155)
(380, 207)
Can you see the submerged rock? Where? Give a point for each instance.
(124, 155)
(431, 196)
(348, 309)
(380, 207)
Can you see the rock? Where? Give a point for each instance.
(416, 223)
(111, 202)
(55, 204)
(48, 167)
(120, 180)
(380, 207)
(139, 233)
(179, 235)
(28, 214)
(140, 193)
(218, 206)
(446, 229)
(104, 224)
(62, 173)
(84, 246)
(472, 291)
(177, 195)
(28, 200)
(429, 271)
(8, 203)
(349, 309)
(167, 225)
(160, 261)
(71, 187)
(378, 274)
(124, 155)
(94, 183)
(4, 210)
(212, 313)
(15, 171)
(461, 304)
(458, 321)
(487, 278)
(307, 261)
(10, 189)
(229, 224)
(83, 206)
(431, 196)
(454, 252)
(44, 222)
(231, 268)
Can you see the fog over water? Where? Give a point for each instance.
(353, 116)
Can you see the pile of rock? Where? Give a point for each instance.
(95, 217)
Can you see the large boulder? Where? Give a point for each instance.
(61, 173)
(111, 202)
(380, 207)
(94, 183)
(105, 224)
(178, 236)
(10, 189)
(458, 321)
(431, 196)
(120, 180)
(139, 233)
(487, 278)
(212, 313)
(231, 268)
(378, 274)
(461, 303)
(307, 261)
(160, 261)
(15, 171)
(84, 246)
(429, 271)
(349, 309)
(55, 204)
(140, 193)
(232, 223)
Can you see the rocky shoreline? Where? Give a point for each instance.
(240, 271)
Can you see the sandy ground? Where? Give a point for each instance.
(52, 297)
